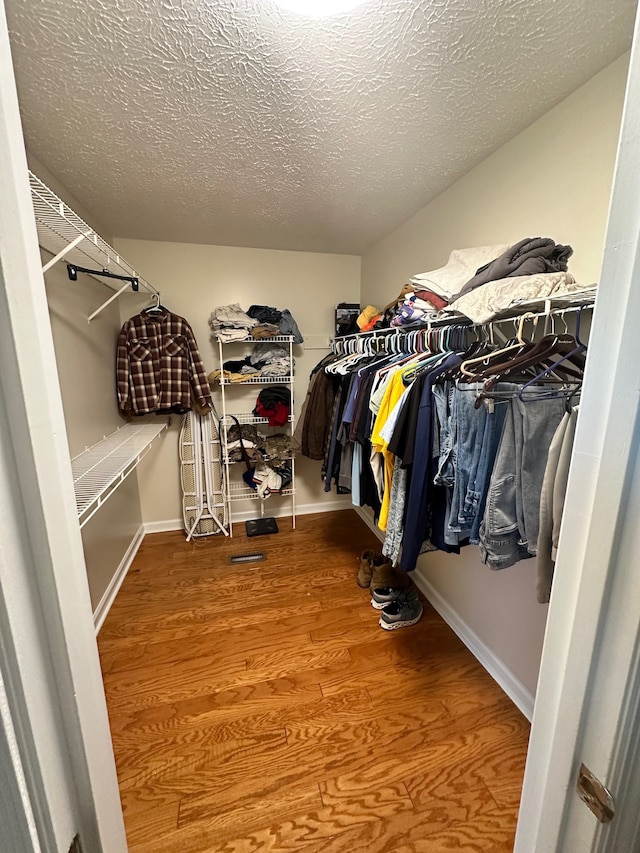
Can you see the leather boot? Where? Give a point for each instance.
(385, 575)
(366, 569)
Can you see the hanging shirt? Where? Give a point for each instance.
(158, 366)
(424, 521)
(394, 391)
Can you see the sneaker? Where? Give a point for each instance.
(383, 596)
(366, 569)
(404, 611)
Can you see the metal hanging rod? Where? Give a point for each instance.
(570, 306)
(73, 270)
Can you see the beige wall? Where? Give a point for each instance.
(554, 179)
(85, 358)
(195, 279)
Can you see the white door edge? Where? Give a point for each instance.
(49, 623)
(595, 502)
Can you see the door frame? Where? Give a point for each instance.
(49, 662)
(589, 563)
(65, 742)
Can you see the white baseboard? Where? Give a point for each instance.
(504, 677)
(501, 674)
(163, 526)
(270, 510)
(104, 605)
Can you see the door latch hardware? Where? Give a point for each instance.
(595, 795)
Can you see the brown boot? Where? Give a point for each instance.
(385, 575)
(366, 569)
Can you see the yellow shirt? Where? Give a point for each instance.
(394, 390)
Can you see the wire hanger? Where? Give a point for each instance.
(156, 305)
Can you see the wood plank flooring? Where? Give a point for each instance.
(260, 707)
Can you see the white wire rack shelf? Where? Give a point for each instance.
(250, 418)
(65, 235)
(264, 380)
(278, 339)
(240, 492)
(230, 461)
(100, 469)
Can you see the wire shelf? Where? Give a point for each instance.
(250, 418)
(266, 380)
(59, 227)
(99, 470)
(240, 492)
(278, 339)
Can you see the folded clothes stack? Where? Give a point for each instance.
(274, 404)
(268, 360)
(481, 283)
(231, 323)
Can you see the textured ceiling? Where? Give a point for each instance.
(231, 122)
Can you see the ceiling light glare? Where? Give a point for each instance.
(319, 8)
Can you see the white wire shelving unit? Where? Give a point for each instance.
(259, 380)
(239, 491)
(100, 469)
(66, 236)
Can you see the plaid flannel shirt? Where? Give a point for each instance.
(158, 365)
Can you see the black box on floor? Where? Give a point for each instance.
(261, 526)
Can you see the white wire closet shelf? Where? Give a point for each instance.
(249, 418)
(65, 235)
(100, 469)
(240, 492)
(278, 339)
(260, 380)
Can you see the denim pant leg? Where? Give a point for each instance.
(470, 425)
(477, 495)
(499, 534)
(443, 395)
(540, 420)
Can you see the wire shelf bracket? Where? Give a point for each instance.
(65, 235)
(100, 469)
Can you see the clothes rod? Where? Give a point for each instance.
(73, 271)
(467, 323)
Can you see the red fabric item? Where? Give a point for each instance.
(278, 416)
(432, 298)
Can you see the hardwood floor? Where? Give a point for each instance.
(260, 707)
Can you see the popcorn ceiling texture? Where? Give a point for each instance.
(231, 122)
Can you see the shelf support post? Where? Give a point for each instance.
(65, 251)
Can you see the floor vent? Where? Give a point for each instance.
(257, 557)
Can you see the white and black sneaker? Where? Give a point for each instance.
(405, 610)
(384, 595)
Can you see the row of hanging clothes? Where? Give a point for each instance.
(451, 437)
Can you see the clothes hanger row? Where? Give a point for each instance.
(531, 363)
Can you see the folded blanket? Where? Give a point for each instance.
(462, 264)
(530, 256)
(494, 298)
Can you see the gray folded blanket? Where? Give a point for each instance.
(528, 257)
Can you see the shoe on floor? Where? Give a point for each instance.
(383, 596)
(385, 575)
(366, 569)
(404, 611)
